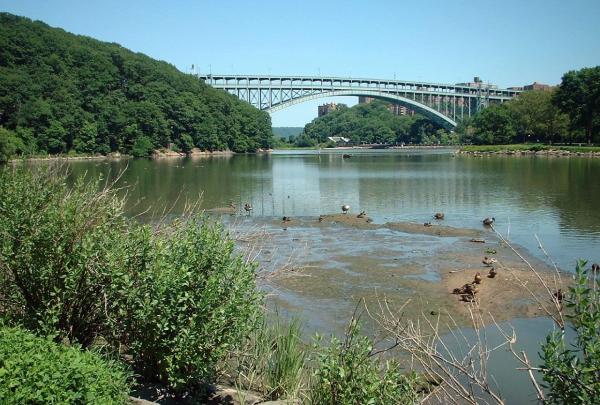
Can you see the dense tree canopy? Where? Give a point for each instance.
(579, 96)
(372, 123)
(61, 92)
(566, 114)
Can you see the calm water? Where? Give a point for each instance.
(554, 198)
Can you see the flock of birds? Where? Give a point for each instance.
(469, 290)
(345, 209)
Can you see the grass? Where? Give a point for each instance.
(274, 361)
(528, 147)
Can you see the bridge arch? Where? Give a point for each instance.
(420, 108)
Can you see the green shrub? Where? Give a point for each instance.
(9, 145)
(35, 370)
(142, 147)
(194, 302)
(347, 373)
(572, 374)
(61, 253)
(73, 267)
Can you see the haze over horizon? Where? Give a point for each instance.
(508, 44)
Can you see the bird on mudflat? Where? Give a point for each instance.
(345, 208)
(488, 261)
(248, 207)
(492, 273)
(559, 295)
(489, 221)
(478, 278)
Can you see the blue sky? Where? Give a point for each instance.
(506, 42)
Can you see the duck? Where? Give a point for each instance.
(559, 295)
(468, 297)
(248, 207)
(471, 289)
(362, 214)
(492, 273)
(478, 278)
(489, 221)
(439, 215)
(488, 261)
(345, 208)
(461, 290)
(346, 156)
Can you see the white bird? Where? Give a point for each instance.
(345, 208)
(248, 207)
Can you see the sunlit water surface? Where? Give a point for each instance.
(555, 199)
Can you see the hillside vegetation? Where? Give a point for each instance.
(63, 93)
(372, 123)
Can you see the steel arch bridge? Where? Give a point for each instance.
(444, 103)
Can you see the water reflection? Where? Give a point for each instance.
(551, 197)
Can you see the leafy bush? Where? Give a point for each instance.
(61, 253)
(72, 266)
(346, 373)
(142, 147)
(9, 144)
(194, 302)
(35, 370)
(573, 374)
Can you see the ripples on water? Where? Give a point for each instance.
(555, 198)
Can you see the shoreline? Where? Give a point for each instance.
(66, 157)
(536, 150)
(156, 155)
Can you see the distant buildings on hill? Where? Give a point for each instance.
(395, 109)
(478, 83)
(533, 86)
(329, 107)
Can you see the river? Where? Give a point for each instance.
(554, 200)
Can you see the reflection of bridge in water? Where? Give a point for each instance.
(443, 103)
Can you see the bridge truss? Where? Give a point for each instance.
(444, 103)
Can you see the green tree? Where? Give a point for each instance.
(142, 147)
(367, 123)
(187, 143)
(9, 144)
(579, 96)
(75, 93)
